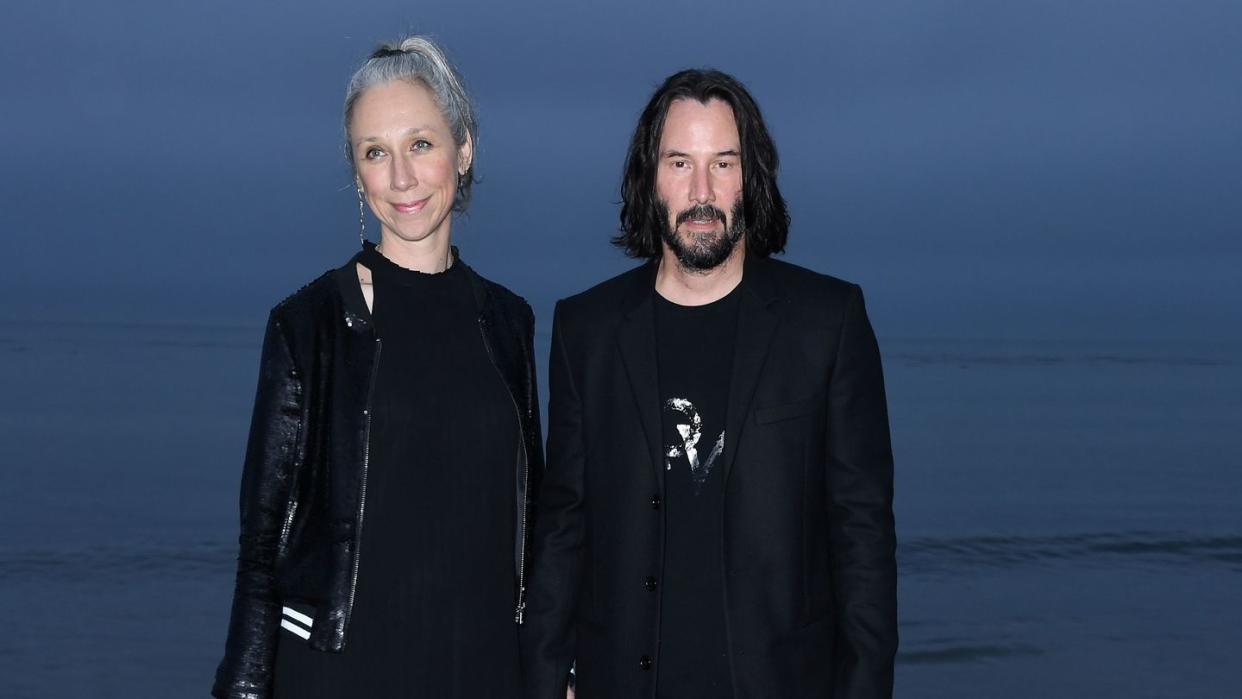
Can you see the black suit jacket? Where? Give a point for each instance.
(809, 546)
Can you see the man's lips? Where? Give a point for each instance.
(702, 223)
(411, 207)
(703, 216)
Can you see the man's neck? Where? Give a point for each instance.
(686, 287)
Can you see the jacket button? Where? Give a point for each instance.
(645, 662)
(656, 501)
(650, 583)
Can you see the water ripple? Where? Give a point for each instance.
(965, 653)
(1140, 548)
(144, 559)
(969, 359)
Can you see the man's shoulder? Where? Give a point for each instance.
(610, 298)
(798, 284)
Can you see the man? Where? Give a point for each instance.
(716, 516)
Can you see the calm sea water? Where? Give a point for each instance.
(1068, 512)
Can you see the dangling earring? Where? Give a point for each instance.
(362, 217)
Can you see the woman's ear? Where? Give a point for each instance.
(465, 155)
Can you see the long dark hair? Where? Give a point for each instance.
(764, 214)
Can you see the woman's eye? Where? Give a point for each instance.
(373, 153)
(421, 144)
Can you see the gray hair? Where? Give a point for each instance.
(418, 59)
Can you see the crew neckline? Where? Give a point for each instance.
(383, 268)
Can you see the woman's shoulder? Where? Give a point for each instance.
(322, 295)
(507, 298)
(502, 296)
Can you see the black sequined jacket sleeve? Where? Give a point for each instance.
(267, 477)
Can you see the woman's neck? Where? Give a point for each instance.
(427, 256)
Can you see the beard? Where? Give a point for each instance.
(700, 252)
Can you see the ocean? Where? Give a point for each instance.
(1068, 512)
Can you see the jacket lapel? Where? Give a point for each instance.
(757, 321)
(636, 337)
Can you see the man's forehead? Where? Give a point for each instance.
(690, 121)
(691, 108)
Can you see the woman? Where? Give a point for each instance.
(395, 435)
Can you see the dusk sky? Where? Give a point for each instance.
(1057, 169)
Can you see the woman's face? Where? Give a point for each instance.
(406, 161)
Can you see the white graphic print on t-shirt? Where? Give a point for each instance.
(689, 426)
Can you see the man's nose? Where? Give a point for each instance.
(701, 191)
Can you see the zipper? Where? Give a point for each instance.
(291, 504)
(519, 611)
(519, 614)
(362, 491)
(290, 510)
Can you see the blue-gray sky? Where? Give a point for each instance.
(1069, 168)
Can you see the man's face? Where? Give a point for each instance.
(699, 182)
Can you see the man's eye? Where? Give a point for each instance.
(679, 163)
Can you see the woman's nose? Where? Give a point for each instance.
(403, 176)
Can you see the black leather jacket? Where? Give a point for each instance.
(304, 484)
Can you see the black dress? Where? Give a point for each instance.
(433, 615)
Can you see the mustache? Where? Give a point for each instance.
(701, 212)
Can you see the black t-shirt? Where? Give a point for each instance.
(695, 355)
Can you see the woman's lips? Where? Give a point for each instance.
(411, 207)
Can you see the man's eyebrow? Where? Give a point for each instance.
(678, 154)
